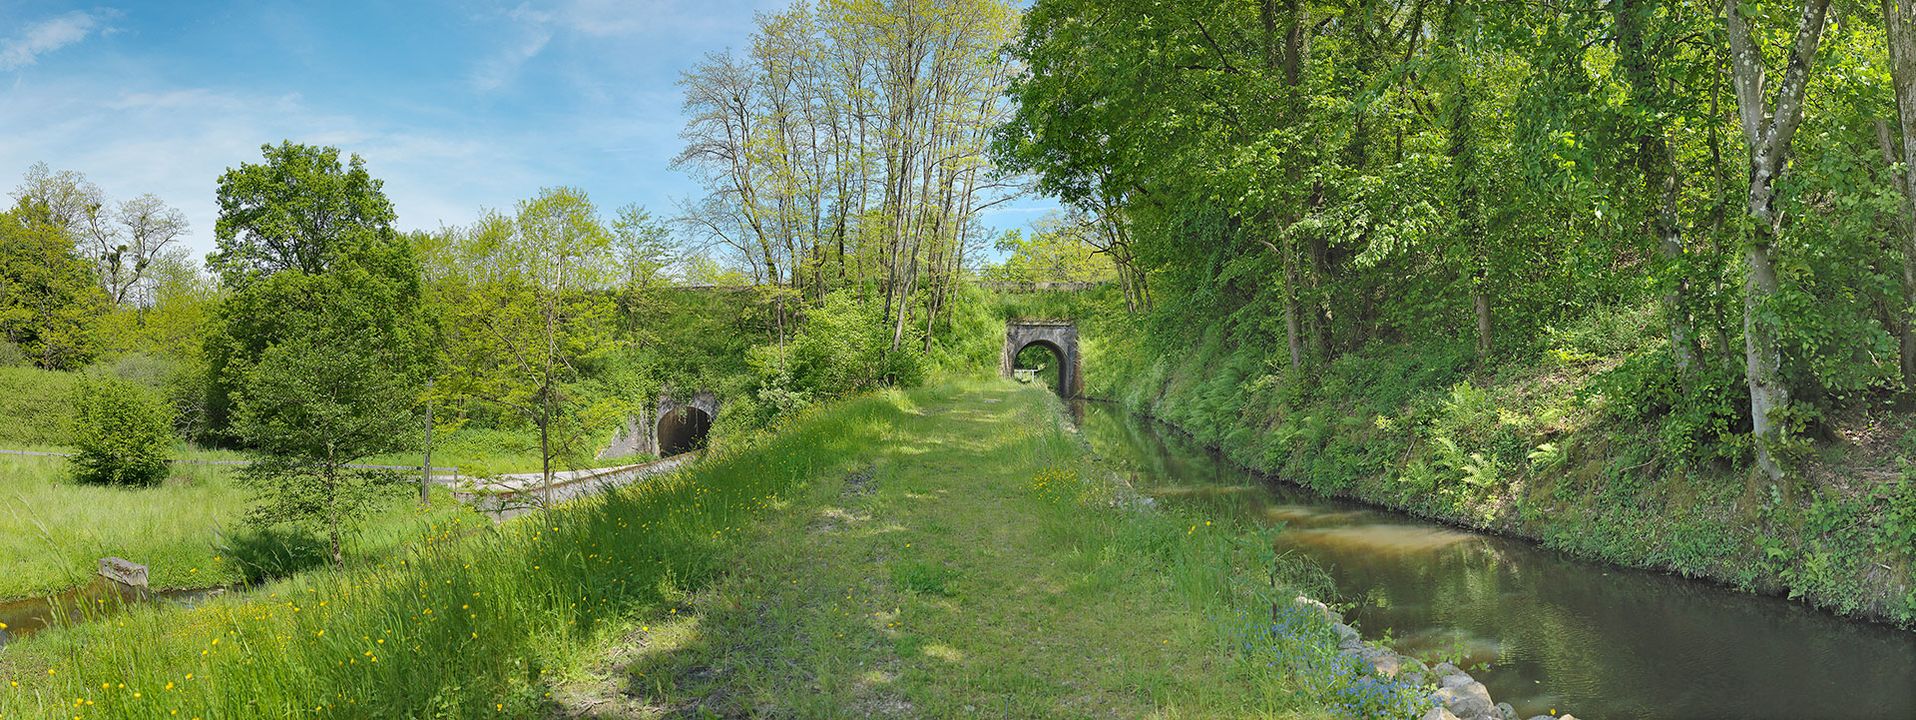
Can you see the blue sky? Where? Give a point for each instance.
(457, 105)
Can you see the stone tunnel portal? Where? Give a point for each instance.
(1058, 336)
(683, 430)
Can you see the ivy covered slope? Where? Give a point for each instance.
(1577, 441)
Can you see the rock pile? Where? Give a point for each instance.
(1457, 696)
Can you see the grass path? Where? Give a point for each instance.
(949, 551)
(937, 580)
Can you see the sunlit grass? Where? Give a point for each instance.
(945, 552)
(53, 531)
(463, 625)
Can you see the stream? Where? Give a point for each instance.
(1586, 638)
(98, 598)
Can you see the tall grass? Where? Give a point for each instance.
(466, 625)
(190, 530)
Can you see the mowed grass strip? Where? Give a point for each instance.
(972, 567)
(942, 553)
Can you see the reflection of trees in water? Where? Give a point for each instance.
(1584, 638)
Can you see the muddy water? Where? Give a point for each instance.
(1584, 638)
(95, 600)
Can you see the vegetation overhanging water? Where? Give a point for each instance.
(1545, 631)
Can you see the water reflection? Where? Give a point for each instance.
(1594, 640)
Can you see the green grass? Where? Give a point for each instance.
(949, 551)
(53, 531)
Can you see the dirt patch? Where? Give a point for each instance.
(608, 694)
(832, 519)
(860, 482)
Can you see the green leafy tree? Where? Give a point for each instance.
(311, 406)
(535, 306)
(298, 216)
(295, 211)
(123, 433)
(1060, 248)
(49, 302)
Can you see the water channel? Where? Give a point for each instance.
(98, 598)
(1584, 638)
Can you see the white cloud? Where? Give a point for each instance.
(175, 143)
(504, 66)
(613, 28)
(49, 35)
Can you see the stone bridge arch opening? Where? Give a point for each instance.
(676, 423)
(1058, 338)
(683, 430)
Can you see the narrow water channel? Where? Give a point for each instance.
(1601, 642)
(98, 598)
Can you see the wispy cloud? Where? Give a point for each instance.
(49, 35)
(176, 142)
(609, 26)
(534, 32)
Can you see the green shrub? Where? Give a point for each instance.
(123, 433)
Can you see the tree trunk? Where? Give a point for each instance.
(332, 512)
(1480, 301)
(1899, 25)
(1293, 330)
(1658, 165)
(1767, 132)
(425, 471)
(1763, 359)
(545, 450)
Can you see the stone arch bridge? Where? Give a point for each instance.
(1058, 336)
(677, 423)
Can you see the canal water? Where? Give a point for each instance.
(1601, 642)
(97, 599)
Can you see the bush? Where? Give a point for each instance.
(123, 432)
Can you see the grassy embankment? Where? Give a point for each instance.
(1576, 442)
(190, 530)
(945, 552)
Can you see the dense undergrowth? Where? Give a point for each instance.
(1576, 442)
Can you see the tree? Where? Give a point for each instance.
(68, 198)
(1899, 30)
(314, 404)
(1767, 130)
(144, 228)
(49, 303)
(294, 212)
(847, 148)
(300, 214)
(123, 434)
(1060, 248)
(534, 305)
(1653, 112)
(121, 243)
